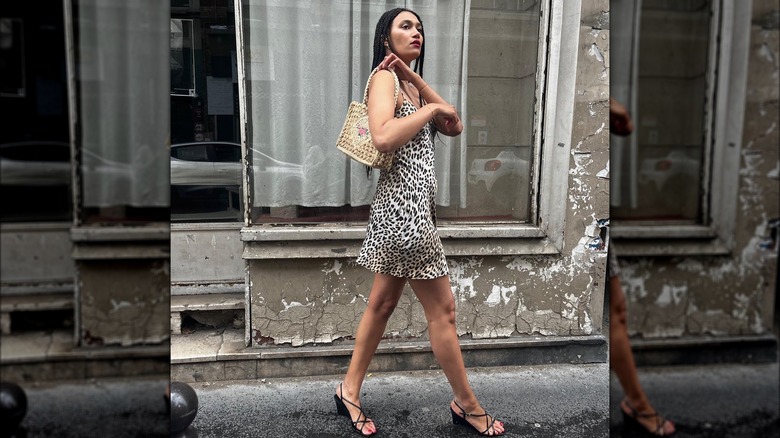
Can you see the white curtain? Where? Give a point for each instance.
(123, 75)
(305, 61)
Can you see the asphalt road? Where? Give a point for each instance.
(533, 401)
(714, 401)
(95, 408)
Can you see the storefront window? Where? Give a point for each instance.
(658, 170)
(305, 61)
(35, 169)
(205, 156)
(122, 83)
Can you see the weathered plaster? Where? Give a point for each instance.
(124, 302)
(732, 294)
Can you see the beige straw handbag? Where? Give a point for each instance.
(355, 138)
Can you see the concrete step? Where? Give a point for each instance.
(221, 354)
(52, 355)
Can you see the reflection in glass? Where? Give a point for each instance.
(657, 171)
(182, 59)
(206, 182)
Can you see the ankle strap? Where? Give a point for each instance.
(463, 411)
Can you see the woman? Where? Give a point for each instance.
(636, 408)
(401, 243)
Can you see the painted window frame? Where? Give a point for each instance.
(553, 125)
(730, 44)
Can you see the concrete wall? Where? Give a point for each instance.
(36, 257)
(206, 258)
(319, 295)
(732, 294)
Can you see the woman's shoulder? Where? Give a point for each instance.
(383, 82)
(384, 76)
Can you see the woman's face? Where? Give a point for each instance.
(406, 38)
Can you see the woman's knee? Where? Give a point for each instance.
(383, 307)
(618, 312)
(443, 313)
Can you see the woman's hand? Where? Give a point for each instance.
(620, 122)
(445, 116)
(404, 73)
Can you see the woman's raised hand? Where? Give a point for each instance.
(394, 63)
(445, 115)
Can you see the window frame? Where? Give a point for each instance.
(21, 92)
(724, 118)
(192, 92)
(555, 95)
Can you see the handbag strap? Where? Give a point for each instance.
(395, 91)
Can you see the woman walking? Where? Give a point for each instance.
(401, 243)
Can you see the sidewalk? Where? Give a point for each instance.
(729, 401)
(533, 401)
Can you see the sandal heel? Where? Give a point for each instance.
(341, 409)
(461, 421)
(457, 419)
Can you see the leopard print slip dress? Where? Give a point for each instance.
(401, 238)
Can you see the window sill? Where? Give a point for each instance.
(35, 226)
(669, 247)
(211, 226)
(666, 240)
(121, 243)
(155, 231)
(345, 241)
(623, 231)
(286, 233)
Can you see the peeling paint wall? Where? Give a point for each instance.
(320, 300)
(732, 294)
(124, 302)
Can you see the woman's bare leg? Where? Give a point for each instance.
(621, 359)
(385, 293)
(439, 305)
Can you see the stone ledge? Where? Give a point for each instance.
(58, 345)
(221, 355)
(215, 301)
(705, 350)
(51, 355)
(34, 302)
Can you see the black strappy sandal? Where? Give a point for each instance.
(631, 420)
(461, 420)
(341, 409)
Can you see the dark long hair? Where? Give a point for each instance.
(382, 34)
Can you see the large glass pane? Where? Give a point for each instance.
(305, 61)
(121, 56)
(660, 168)
(205, 150)
(35, 169)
